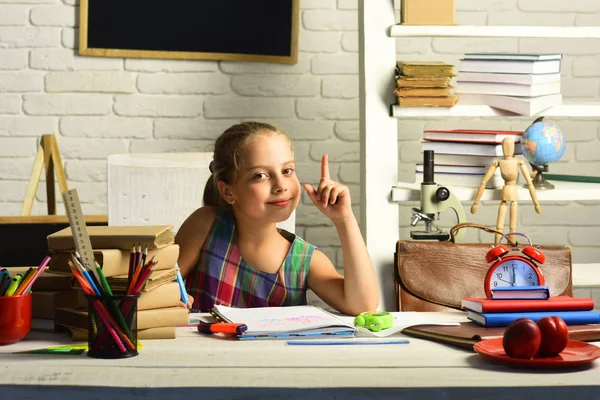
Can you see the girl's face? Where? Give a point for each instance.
(266, 186)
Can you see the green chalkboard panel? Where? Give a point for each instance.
(243, 30)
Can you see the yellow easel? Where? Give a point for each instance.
(47, 156)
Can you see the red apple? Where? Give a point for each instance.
(555, 335)
(522, 338)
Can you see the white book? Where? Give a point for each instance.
(521, 79)
(455, 169)
(477, 149)
(508, 89)
(512, 67)
(463, 180)
(516, 57)
(292, 322)
(528, 106)
(462, 159)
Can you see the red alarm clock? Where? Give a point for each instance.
(517, 269)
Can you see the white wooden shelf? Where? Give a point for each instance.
(579, 32)
(378, 36)
(565, 110)
(563, 191)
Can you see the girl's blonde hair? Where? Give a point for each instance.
(227, 157)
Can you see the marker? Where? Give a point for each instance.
(222, 327)
(13, 285)
(342, 342)
(27, 277)
(4, 282)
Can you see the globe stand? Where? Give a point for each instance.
(539, 183)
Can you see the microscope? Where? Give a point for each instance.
(434, 200)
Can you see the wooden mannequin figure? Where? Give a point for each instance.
(509, 170)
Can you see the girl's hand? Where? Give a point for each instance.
(330, 197)
(189, 304)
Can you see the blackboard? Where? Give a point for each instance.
(24, 240)
(242, 30)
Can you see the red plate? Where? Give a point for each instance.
(576, 353)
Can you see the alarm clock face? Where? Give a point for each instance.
(514, 272)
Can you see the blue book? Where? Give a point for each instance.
(521, 292)
(504, 319)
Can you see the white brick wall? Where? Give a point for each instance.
(98, 106)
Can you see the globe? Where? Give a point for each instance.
(543, 143)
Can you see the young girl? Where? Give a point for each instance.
(231, 251)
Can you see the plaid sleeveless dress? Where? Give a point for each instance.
(221, 275)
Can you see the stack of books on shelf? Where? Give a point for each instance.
(114, 246)
(524, 84)
(520, 302)
(463, 156)
(424, 84)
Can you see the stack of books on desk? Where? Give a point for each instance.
(501, 312)
(158, 305)
(463, 156)
(424, 84)
(524, 84)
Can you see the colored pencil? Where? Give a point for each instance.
(113, 306)
(102, 312)
(109, 327)
(90, 268)
(87, 289)
(144, 255)
(131, 264)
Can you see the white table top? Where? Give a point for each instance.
(225, 368)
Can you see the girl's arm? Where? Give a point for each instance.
(191, 236)
(357, 291)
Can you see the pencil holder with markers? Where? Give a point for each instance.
(112, 326)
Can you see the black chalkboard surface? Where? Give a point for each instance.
(23, 240)
(243, 30)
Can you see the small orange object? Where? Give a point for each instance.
(222, 327)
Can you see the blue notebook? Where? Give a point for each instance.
(503, 319)
(293, 322)
(520, 292)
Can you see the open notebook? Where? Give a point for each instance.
(300, 322)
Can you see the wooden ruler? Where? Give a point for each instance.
(83, 245)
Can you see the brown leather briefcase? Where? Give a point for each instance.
(436, 276)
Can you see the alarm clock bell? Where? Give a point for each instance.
(435, 199)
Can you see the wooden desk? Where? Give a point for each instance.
(207, 367)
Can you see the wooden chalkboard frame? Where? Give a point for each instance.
(84, 50)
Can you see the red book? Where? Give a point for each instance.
(556, 303)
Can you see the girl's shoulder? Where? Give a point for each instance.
(203, 214)
(197, 225)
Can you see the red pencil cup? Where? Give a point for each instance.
(112, 326)
(15, 318)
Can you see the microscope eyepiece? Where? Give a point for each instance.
(428, 167)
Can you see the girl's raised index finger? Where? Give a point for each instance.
(324, 167)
